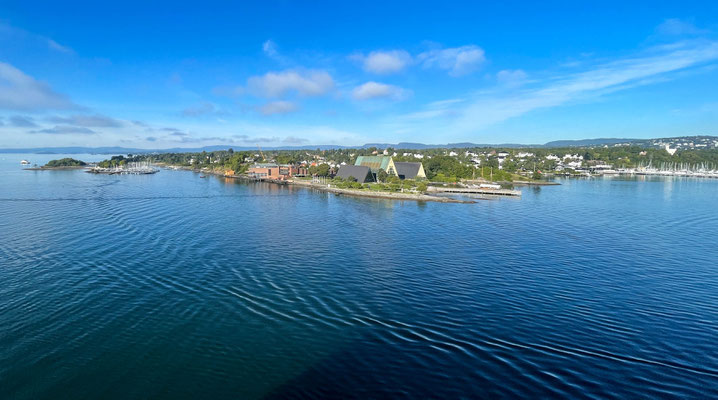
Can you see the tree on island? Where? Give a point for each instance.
(65, 162)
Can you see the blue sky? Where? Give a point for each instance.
(280, 73)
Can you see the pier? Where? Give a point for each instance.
(474, 190)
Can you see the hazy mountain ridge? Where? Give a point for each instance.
(702, 139)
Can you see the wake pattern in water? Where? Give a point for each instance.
(172, 286)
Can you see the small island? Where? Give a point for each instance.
(63, 163)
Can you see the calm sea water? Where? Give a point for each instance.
(174, 286)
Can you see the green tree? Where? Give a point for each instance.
(382, 176)
(323, 170)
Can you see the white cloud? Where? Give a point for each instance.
(278, 107)
(58, 47)
(375, 90)
(28, 38)
(384, 62)
(88, 121)
(270, 49)
(19, 91)
(656, 64)
(65, 130)
(511, 77)
(22, 122)
(457, 60)
(293, 140)
(436, 109)
(675, 26)
(199, 110)
(277, 84)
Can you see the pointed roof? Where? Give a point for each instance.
(376, 163)
(407, 170)
(359, 172)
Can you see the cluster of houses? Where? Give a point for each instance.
(365, 169)
(573, 161)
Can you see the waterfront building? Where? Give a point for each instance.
(409, 170)
(361, 173)
(404, 170)
(377, 163)
(276, 171)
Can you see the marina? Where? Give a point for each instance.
(134, 168)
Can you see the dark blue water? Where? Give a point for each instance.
(173, 286)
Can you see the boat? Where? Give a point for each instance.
(202, 176)
(489, 186)
(25, 162)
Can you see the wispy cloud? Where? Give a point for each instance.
(434, 110)
(511, 77)
(294, 140)
(19, 91)
(679, 27)
(270, 49)
(384, 62)
(94, 121)
(12, 33)
(278, 107)
(303, 83)
(65, 130)
(658, 63)
(201, 109)
(58, 47)
(376, 90)
(20, 121)
(458, 61)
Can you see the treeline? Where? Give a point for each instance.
(224, 160)
(438, 163)
(65, 162)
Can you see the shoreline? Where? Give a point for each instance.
(380, 195)
(56, 168)
(337, 191)
(534, 183)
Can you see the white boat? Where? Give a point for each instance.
(24, 162)
(489, 186)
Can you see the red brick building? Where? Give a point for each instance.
(276, 171)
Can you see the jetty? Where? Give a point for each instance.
(474, 190)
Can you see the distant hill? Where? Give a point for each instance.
(400, 145)
(461, 145)
(587, 142)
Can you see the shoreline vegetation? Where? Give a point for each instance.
(61, 164)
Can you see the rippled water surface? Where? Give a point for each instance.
(173, 286)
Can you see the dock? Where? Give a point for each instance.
(474, 190)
